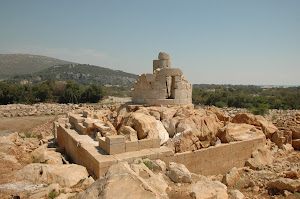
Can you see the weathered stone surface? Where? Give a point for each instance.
(231, 177)
(237, 132)
(207, 189)
(257, 120)
(260, 158)
(122, 181)
(296, 143)
(284, 184)
(221, 115)
(65, 175)
(178, 173)
(42, 155)
(236, 194)
(146, 126)
(129, 133)
(296, 131)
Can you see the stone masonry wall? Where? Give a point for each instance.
(166, 86)
(219, 159)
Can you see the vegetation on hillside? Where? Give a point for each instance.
(50, 91)
(18, 64)
(80, 73)
(254, 98)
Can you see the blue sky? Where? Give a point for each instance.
(222, 42)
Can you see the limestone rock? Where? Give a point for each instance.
(146, 126)
(260, 158)
(296, 143)
(170, 125)
(296, 131)
(221, 116)
(42, 155)
(287, 147)
(284, 184)
(238, 132)
(236, 194)
(231, 177)
(207, 189)
(44, 192)
(65, 175)
(121, 181)
(186, 141)
(257, 120)
(178, 173)
(129, 133)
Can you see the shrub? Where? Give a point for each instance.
(53, 194)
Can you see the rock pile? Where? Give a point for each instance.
(20, 110)
(288, 123)
(180, 127)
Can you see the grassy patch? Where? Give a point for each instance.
(36, 159)
(53, 194)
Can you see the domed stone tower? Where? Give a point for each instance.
(166, 86)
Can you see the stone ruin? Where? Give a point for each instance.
(206, 141)
(166, 86)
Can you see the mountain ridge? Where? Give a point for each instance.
(51, 68)
(19, 64)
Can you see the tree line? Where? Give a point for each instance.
(254, 98)
(50, 91)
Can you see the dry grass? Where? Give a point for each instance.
(22, 124)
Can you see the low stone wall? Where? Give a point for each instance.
(217, 159)
(85, 150)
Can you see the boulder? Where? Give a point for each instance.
(123, 181)
(260, 158)
(186, 141)
(170, 125)
(207, 124)
(66, 175)
(44, 192)
(121, 113)
(231, 177)
(284, 184)
(129, 133)
(220, 114)
(168, 113)
(146, 126)
(42, 155)
(296, 143)
(236, 194)
(178, 173)
(295, 131)
(287, 147)
(207, 189)
(238, 132)
(257, 120)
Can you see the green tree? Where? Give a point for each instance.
(93, 93)
(72, 93)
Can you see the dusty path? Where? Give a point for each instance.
(22, 124)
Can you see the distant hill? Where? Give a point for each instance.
(18, 64)
(80, 73)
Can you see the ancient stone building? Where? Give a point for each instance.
(166, 86)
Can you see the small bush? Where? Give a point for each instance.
(36, 159)
(53, 194)
(261, 109)
(149, 165)
(221, 104)
(144, 157)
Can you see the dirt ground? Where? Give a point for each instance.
(22, 124)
